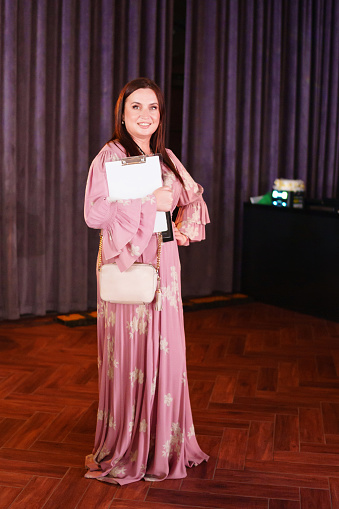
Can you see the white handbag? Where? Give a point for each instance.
(136, 285)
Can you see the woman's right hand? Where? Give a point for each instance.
(164, 198)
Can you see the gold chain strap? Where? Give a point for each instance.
(100, 252)
(159, 235)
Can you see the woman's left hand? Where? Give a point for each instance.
(179, 237)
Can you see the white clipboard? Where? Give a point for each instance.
(136, 177)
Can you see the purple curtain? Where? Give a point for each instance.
(260, 102)
(62, 66)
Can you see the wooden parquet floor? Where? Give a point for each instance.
(264, 390)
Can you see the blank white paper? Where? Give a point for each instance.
(131, 181)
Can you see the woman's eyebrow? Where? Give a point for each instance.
(150, 104)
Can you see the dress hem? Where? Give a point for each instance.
(102, 476)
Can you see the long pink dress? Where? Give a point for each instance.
(144, 424)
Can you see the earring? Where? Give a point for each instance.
(123, 122)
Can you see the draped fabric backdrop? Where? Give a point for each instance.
(260, 102)
(63, 63)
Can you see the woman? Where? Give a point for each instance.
(144, 426)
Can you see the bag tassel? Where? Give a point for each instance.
(158, 300)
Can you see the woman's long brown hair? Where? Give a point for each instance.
(157, 141)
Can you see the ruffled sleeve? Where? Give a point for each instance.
(127, 225)
(193, 215)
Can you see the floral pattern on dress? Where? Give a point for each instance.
(190, 226)
(168, 399)
(164, 345)
(191, 432)
(112, 156)
(112, 423)
(149, 198)
(174, 444)
(140, 321)
(110, 318)
(131, 423)
(189, 183)
(168, 178)
(100, 415)
(124, 202)
(101, 308)
(105, 416)
(117, 472)
(171, 292)
(136, 375)
(143, 426)
(134, 250)
(103, 453)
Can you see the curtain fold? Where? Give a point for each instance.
(9, 259)
(260, 102)
(63, 64)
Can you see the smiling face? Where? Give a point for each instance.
(141, 114)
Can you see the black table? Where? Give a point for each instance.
(291, 258)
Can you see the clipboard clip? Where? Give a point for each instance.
(133, 160)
